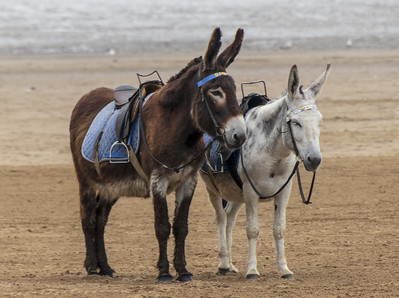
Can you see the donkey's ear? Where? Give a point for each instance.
(317, 85)
(293, 81)
(228, 55)
(213, 49)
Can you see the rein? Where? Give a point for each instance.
(296, 169)
(219, 129)
(262, 197)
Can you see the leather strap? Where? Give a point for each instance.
(137, 166)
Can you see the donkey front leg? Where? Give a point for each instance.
(184, 195)
(251, 207)
(280, 204)
(162, 226)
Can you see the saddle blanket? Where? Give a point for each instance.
(105, 122)
(217, 162)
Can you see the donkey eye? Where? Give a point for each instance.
(297, 124)
(216, 93)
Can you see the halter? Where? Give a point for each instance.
(219, 130)
(296, 169)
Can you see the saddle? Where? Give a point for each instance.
(126, 99)
(114, 135)
(253, 100)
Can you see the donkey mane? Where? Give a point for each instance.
(193, 62)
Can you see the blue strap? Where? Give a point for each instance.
(210, 77)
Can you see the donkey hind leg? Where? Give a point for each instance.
(224, 222)
(232, 212)
(251, 208)
(280, 204)
(162, 226)
(221, 222)
(184, 195)
(88, 202)
(94, 213)
(102, 211)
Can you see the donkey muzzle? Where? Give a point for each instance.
(235, 132)
(312, 162)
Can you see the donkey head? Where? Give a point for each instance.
(303, 119)
(216, 110)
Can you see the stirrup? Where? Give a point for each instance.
(119, 159)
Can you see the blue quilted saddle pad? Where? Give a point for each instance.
(216, 160)
(105, 122)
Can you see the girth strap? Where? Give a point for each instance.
(137, 166)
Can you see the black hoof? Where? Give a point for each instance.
(288, 276)
(107, 273)
(166, 277)
(252, 276)
(92, 272)
(223, 271)
(185, 277)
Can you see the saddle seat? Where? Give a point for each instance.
(126, 99)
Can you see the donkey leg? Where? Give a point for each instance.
(88, 202)
(232, 212)
(280, 204)
(103, 209)
(162, 226)
(184, 195)
(221, 222)
(251, 206)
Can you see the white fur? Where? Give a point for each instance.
(269, 158)
(235, 127)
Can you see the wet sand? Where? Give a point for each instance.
(344, 244)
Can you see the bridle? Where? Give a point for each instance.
(296, 169)
(219, 130)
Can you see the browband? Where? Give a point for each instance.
(304, 108)
(211, 77)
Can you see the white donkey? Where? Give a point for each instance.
(267, 161)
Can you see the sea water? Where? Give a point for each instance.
(122, 26)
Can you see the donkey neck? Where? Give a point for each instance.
(270, 122)
(176, 99)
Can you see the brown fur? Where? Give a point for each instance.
(174, 119)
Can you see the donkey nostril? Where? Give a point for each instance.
(239, 138)
(315, 161)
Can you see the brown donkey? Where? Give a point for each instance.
(200, 98)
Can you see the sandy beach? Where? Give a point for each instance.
(344, 244)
